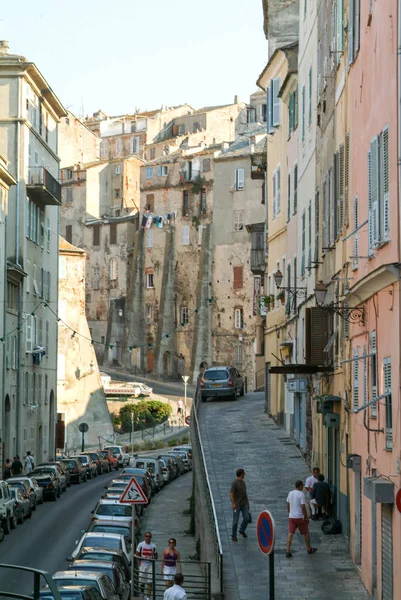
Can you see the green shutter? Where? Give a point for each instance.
(296, 108)
(310, 96)
(295, 201)
(385, 177)
(288, 196)
(340, 30)
(303, 113)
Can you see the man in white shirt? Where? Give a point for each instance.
(298, 518)
(176, 592)
(308, 488)
(147, 552)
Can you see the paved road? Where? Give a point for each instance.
(239, 434)
(44, 541)
(164, 388)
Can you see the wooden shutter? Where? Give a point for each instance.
(276, 101)
(238, 282)
(355, 385)
(350, 31)
(365, 377)
(356, 220)
(346, 179)
(385, 183)
(340, 190)
(374, 153)
(278, 203)
(316, 335)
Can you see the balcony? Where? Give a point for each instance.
(257, 261)
(42, 187)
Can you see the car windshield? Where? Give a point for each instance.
(84, 459)
(114, 510)
(97, 569)
(101, 542)
(145, 465)
(214, 375)
(115, 450)
(97, 556)
(108, 529)
(76, 581)
(70, 463)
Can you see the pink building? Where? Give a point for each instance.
(373, 252)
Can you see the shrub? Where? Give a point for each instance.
(147, 413)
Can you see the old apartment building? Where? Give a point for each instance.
(29, 115)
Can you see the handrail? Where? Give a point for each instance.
(37, 574)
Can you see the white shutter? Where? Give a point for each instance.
(278, 203)
(385, 183)
(274, 196)
(239, 179)
(185, 235)
(29, 334)
(355, 387)
(276, 101)
(200, 229)
(375, 182)
(355, 260)
(372, 350)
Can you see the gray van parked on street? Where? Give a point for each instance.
(221, 382)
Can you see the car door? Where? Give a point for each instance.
(108, 588)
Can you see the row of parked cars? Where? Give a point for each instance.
(101, 560)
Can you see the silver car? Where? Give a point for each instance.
(112, 510)
(33, 484)
(98, 580)
(221, 382)
(23, 506)
(103, 540)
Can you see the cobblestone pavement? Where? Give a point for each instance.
(239, 434)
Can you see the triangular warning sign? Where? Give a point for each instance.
(133, 494)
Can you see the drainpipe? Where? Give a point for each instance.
(17, 257)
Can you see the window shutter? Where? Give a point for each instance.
(386, 184)
(29, 334)
(303, 245)
(295, 200)
(276, 101)
(340, 32)
(340, 190)
(48, 235)
(357, 9)
(389, 416)
(274, 195)
(239, 179)
(374, 152)
(335, 196)
(351, 9)
(356, 220)
(310, 235)
(324, 218)
(365, 377)
(316, 227)
(185, 235)
(316, 335)
(372, 349)
(332, 213)
(303, 113)
(269, 109)
(355, 387)
(370, 203)
(310, 97)
(288, 196)
(238, 282)
(278, 203)
(346, 179)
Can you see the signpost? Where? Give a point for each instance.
(133, 495)
(83, 428)
(185, 379)
(265, 529)
(187, 420)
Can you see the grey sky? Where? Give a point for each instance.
(122, 54)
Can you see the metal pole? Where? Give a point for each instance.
(185, 399)
(271, 575)
(83, 441)
(133, 548)
(132, 435)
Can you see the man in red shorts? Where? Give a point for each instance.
(298, 518)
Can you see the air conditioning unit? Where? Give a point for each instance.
(296, 385)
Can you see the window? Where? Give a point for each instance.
(149, 172)
(68, 195)
(303, 230)
(238, 220)
(119, 146)
(206, 165)
(134, 145)
(113, 233)
(389, 404)
(203, 201)
(239, 179)
(149, 238)
(113, 269)
(355, 387)
(185, 235)
(238, 354)
(373, 373)
(104, 149)
(273, 104)
(185, 203)
(378, 190)
(150, 202)
(96, 235)
(276, 182)
(30, 333)
(310, 98)
(117, 193)
(303, 113)
(263, 114)
(250, 114)
(152, 153)
(295, 200)
(181, 129)
(288, 197)
(162, 170)
(149, 314)
(149, 280)
(354, 11)
(238, 318)
(96, 278)
(184, 315)
(117, 170)
(196, 127)
(238, 278)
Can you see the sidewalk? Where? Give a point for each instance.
(240, 434)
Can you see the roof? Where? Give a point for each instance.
(289, 50)
(181, 153)
(242, 146)
(65, 246)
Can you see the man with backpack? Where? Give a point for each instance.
(29, 463)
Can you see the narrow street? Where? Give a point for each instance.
(44, 541)
(239, 434)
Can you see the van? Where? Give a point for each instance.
(153, 465)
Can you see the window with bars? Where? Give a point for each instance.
(238, 318)
(238, 354)
(184, 315)
(373, 373)
(388, 401)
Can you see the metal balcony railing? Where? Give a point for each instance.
(43, 187)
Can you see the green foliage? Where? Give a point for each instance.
(147, 413)
(198, 184)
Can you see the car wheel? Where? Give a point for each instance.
(1, 534)
(21, 518)
(13, 522)
(6, 525)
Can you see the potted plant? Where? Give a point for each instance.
(281, 296)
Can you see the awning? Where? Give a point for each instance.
(299, 369)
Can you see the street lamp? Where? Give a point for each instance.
(185, 379)
(351, 315)
(278, 278)
(296, 292)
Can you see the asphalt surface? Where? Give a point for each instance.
(44, 541)
(173, 390)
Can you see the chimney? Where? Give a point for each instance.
(4, 47)
(236, 99)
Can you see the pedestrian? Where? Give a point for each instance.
(29, 463)
(320, 497)
(147, 552)
(180, 406)
(16, 467)
(298, 518)
(7, 469)
(176, 592)
(309, 484)
(170, 563)
(240, 504)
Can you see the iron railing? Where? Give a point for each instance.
(257, 259)
(196, 584)
(39, 579)
(218, 548)
(42, 185)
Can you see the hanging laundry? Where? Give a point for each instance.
(148, 222)
(144, 221)
(159, 223)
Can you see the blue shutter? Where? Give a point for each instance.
(276, 101)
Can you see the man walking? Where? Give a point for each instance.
(298, 518)
(310, 481)
(147, 552)
(29, 464)
(240, 504)
(16, 467)
(176, 592)
(180, 406)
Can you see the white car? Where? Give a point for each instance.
(119, 452)
(112, 510)
(144, 390)
(33, 484)
(103, 540)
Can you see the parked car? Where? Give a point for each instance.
(178, 460)
(111, 554)
(171, 464)
(49, 484)
(122, 456)
(63, 469)
(153, 466)
(76, 469)
(111, 569)
(61, 479)
(184, 457)
(23, 506)
(8, 516)
(111, 458)
(88, 464)
(188, 450)
(115, 490)
(103, 540)
(25, 488)
(165, 471)
(31, 481)
(221, 382)
(144, 479)
(99, 581)
(100, 461)
(111, 527)
(72, 592)
(112, 510)
(145, 390)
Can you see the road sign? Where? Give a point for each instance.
(187, 420)
(265, 532)
(133, 494)
(83, 427)
(398, 500)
